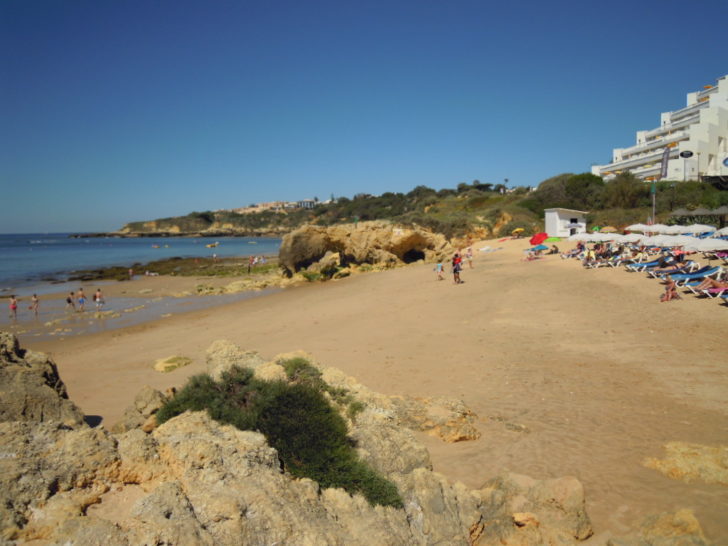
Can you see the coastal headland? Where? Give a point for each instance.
(570, 372)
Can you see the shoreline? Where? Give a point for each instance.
(570, 371)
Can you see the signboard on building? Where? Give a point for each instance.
(665, 159)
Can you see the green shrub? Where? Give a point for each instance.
(296, 419)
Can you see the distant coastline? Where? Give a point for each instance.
(196, 234)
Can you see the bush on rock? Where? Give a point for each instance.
(296, 419)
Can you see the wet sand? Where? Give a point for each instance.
(571, 371)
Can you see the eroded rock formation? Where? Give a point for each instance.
(376, 243)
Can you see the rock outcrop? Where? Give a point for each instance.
(377, 243)
(195, 481)
(693, 462)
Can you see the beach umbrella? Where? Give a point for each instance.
(698, 228)
(702, 212)
(681, 212)
(721, 232)
(595, 228)
(683, 240)
(538, 238)
(579, 237)
(656, 228)
(637, 227)
(632, 238)
(721, 210)
(517, 230)
(651, 241)
(553, 240)
(540, 247)
(673, 230)
(710, 245)
(609, 229)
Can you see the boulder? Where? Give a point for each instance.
(146, 403)
(680, 528)
(224, 354)
(377, 243)
(30, 387)
(693, 462)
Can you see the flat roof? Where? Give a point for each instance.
(565, 210)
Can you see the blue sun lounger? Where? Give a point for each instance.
(685, 278)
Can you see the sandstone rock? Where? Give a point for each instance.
(223, 354)
(668, 529)
(556, 505)
(689, 462)
(30, 387)
(445, 418)
(367, 242)
(146, 403)
(327, 265)
(171, 363)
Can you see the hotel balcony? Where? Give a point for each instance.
(653, 144)
(630, 164)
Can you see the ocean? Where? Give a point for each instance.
(29, 259)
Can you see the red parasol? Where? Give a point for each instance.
(538, 238)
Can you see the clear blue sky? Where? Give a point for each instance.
(131, 110)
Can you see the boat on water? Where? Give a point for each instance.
(213, 245)
(252, 242)
(155, 246)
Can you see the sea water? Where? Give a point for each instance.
(29, 259)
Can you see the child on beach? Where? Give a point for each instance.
(13, 305)
(440, 271)
(469, 256)
(70, 301)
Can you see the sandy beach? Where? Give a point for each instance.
(571, 371)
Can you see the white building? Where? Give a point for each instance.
(697, 137)
(564, 222)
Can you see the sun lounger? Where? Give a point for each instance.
(688, 267)
(715, 292)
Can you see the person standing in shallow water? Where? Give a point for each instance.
(81, 299)
(34, 303)
(99, 299)
(70, 301)
(13, 306)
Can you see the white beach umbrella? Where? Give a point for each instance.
(636, 227)
(651, 241)
(632, 238)
(698, 228)
(721, 232)
(710, 245)
(684, 240)
(674, 230)
(656, 228)
(579, 237)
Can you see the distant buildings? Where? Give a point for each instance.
(278, 206)
(696, 138)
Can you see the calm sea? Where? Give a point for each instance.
(32, 258)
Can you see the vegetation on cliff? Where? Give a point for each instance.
(468, 207)
(297, 420)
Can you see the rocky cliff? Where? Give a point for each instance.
(195, 481)
(376, 243)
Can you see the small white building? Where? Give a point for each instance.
(564, 222)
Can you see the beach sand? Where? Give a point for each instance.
(571, 371)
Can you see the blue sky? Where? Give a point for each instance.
(118, 111)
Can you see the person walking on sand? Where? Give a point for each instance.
(469, 256)
(440, 270)
(71, 301)
(13, 305)
(99, 299)
(456, 267)
(81, 299)
(34, 303)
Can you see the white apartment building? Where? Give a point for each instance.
(696, 136)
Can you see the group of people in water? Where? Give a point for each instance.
(75, 301)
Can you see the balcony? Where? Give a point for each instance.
(630, 164)
(653, 144)
(687, 111)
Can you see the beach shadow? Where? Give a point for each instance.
(93, 420)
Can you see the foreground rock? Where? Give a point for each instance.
(376, 243)
(693, 462)
(193, 480)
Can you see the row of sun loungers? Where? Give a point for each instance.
(688, 275)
